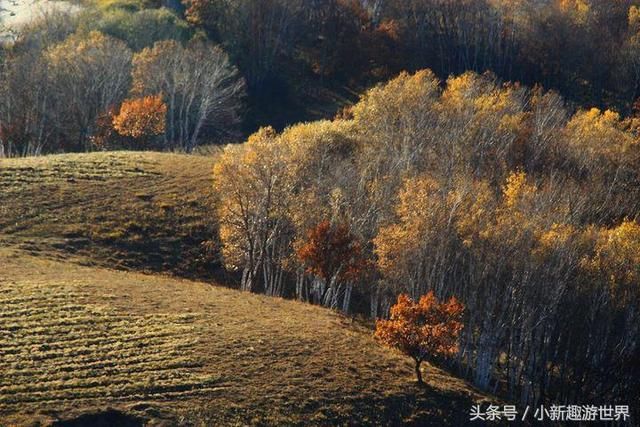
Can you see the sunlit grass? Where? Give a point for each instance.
(55, 345)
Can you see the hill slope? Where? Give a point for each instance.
(143, 211)
(77, 339)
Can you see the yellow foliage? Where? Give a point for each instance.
(477, 212)
(579, 10)
(617, 256)
(407, 93)
(418, 216)
(311, 144)
(517, 189)
(598, 133)
(463, 90)
(634, 19)
(494, 101)
(253, 191)
(558, 235)
(143, 63)
(553, 239)
(78, 46)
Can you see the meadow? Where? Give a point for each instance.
(123, 210)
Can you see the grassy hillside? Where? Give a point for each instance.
(144, 211)
(79, 339)
(76, 339)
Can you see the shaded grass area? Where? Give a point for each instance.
(143, 211)
(186, 353)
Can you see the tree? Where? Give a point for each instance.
(256, 33)
(141, 28)
(252, 206)
(476, 189)
(600, 151)
(53, 91)
(26, 125)
(141, 118)
(334, 255)
(417, 251)
(200, 87)
(321, 175)
(422, 329)
(88, 73)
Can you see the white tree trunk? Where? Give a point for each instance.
(346, 301)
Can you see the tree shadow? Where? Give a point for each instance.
(107, 418)
(414, 405)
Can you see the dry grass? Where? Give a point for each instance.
(143, 211)
(77, 339)
(56, 346)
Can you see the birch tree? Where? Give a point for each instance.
(253, 191)
(200, 87)
(87, 74)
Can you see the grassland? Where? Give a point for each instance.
(142, 211)
(77, 337)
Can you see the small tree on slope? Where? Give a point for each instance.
(422, 329)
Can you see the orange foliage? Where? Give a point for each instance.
(141, 117)
(332, 250)
(424, 328)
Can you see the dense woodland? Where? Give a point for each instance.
(490, 192)
(277, 62)
(520, 199)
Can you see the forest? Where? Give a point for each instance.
(278, 62)
(489, 192)
(487, 150)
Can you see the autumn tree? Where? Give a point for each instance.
(141, 118)
(321, 177)
(333, 255)
(423, 329)
(416, 250)
(615, 309)
(55, 91)
(252, 207)
(600, 151)
(471, 188)
(200, 87)
(87, 74)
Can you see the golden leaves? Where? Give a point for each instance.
(407, 93)
(617, 255)
(634, 19)
(517, 189)
(579, 10)
(144, 61)
(78, 46)
(598, 133)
